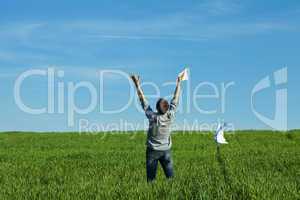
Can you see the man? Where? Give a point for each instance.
(159, 132)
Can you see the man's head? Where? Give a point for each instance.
(162, 106)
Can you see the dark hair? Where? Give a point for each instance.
(158, 104)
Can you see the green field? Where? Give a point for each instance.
(254, 165)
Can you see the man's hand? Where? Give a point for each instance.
(136, 80)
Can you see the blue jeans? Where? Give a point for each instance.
(152, 159)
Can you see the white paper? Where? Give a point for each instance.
(183, 76)
(219, 136)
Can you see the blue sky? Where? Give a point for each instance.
(220, 41)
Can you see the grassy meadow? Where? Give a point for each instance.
(254, 165)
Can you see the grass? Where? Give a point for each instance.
(255, 165)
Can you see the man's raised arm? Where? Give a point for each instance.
(176, 97)
(137, 83)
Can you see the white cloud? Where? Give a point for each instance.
(43, 41)
(220, 7)
(185, 26)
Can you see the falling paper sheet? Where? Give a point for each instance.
(219, 136)
(183, 76)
